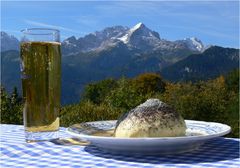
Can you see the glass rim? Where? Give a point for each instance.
(29, 31)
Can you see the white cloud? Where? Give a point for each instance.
(34, 23)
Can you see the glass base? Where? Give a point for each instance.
(40, 136)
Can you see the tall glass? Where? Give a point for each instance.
(41, 76)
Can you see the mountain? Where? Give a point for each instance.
(115, 52)
(193, 43)
(207, 65)
(93, 41)
(8, 42)
(10, 69)
(139, 38)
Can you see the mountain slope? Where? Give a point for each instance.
(210, 64)
(10, 69)
(8, 42)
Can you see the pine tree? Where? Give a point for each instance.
(5, 105)
(15, 99)
(11, 107)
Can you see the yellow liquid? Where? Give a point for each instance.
(41, 78)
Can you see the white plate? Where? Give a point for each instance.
(197, 133)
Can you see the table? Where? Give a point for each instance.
(15, 152)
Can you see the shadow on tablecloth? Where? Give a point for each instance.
(216, 150)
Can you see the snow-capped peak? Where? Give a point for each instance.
(71, 41)
(194, 43)
(197, 43)
(138, 34)
(137, 26)
(125, 38)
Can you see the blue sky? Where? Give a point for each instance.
(213, 22)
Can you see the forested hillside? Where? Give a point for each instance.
(213, 100)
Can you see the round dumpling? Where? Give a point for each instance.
(153, 118)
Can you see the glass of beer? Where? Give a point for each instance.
(40, 54)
